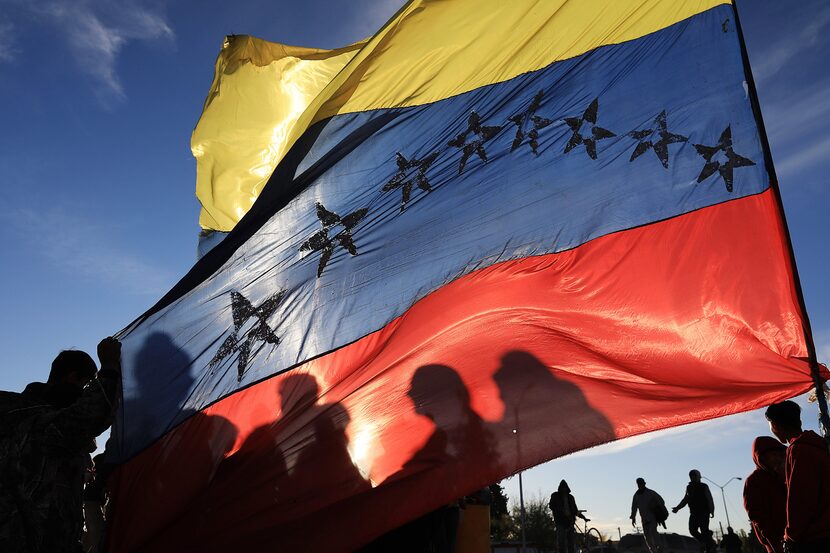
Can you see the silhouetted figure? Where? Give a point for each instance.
(731, 543)
(563, 506)
(533, 396)
(807, 473)
(260, 460)
(652, 512)
(314, 444)
(158, 382)
(765, 493)
(459, 440)
(701, 509)
(48, 435)
(183, 458)
(278, 484)
(95, 500)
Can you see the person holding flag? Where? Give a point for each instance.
(807, 473)
(48, 435)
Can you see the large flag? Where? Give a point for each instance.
(502, 232)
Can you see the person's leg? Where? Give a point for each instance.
(706, 533)
(652, 538)
(659, 541)
(694, 528)
(561, 539)
(647, 534)
(571, 540)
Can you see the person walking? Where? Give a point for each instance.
(564, 509)
(765, 493)
(652, 510)
(701, 509)
(807, 477)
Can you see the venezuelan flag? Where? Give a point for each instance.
(499, 233)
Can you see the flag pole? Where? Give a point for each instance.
(824, 417)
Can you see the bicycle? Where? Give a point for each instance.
(582, 536)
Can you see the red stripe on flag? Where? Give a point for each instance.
(679, 321)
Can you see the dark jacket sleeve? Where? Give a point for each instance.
(803, 495)
(709, 500)
(757, 498)
(92, 413)
(683, 501)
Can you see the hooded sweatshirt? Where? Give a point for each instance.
(808, 489)
(765, 498)
(563, 506)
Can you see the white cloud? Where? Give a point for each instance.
(806, 158)
(96, 31)
(77, 246)
(8, 47)
(802, 109)
(796, 125)
(803, 34)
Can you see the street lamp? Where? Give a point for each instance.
(522, 511)
(723, 494)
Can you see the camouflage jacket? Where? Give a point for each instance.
(44, 453)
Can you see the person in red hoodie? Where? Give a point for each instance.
(807, 473)
(765, 493)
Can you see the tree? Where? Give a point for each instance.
(539, 527)
(501, 524)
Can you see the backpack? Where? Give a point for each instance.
(661, 513)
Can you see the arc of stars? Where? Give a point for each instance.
(322, 242)
(596, 132)
(661, 146)
(243, 310)
(522, 119)
(476, 146)
(400, 179)
(733, 160)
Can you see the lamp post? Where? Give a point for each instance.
(723, 494)
(522, 512)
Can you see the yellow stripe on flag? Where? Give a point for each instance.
(433, 50)
(259, 91)
(430, 50)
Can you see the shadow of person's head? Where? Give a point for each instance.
(439, 394)
(157, 383)
(297, 392)
(547, 415)
(162, 365)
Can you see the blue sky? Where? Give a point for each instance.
(98, 216)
